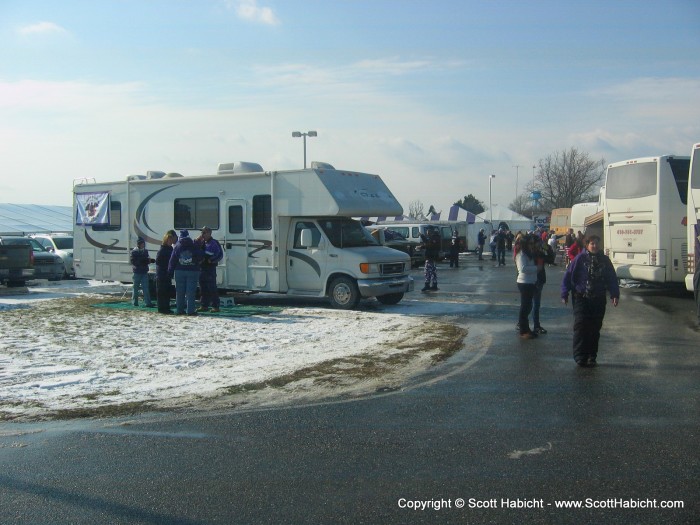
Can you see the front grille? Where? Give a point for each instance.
(392, 268)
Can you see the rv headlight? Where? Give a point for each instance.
(369, 268)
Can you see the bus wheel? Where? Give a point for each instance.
(343, 293)
(392, 298)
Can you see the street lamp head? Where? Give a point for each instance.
(312, 134)
(296, 133)
(492, 176)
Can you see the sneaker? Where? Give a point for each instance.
(215, 310)
(202, 309)
(590, 362)
(540, 330)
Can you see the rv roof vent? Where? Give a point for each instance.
(135, 177)
(229, 168)
(155, 174)
(172, 175)
(318, 165)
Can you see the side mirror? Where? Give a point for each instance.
(306, 238)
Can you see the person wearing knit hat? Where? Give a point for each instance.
(185, 264)
(212, 254)
(140, 260)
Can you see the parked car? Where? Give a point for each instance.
(395, 240)
(46, 264)
(16, 264)
(62, 245)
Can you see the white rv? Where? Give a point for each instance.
(288, 232)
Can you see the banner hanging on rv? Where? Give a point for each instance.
(92, 208)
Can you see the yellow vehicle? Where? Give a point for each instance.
(560, 222)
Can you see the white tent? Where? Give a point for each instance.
(515, 221)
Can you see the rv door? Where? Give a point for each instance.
(236, 245)
(306, 259)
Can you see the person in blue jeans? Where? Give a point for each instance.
(185, 264)
(212, 254)
(140, 260)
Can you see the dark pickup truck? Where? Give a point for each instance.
(16, 264)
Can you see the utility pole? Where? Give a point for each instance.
(517, 168)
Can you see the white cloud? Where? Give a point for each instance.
(41, 28)
(250, 10)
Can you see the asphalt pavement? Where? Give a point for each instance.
(505, 431)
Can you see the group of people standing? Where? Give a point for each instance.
(191, 262)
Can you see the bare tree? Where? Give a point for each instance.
(569, 177)
(522, 204)
(415, 210)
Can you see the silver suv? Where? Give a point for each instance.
(62, 245)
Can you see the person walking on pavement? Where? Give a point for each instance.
(431, 241)
(185, 263)
(589, 278)
(481, 241)
(501, 246)
(454, 250)
(164, 279)
(527, 281)
(210, 247)
(139, 264)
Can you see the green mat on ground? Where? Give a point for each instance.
(226, 311)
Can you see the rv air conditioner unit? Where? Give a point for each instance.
(155, 174)
(317, 165)
(229, 168)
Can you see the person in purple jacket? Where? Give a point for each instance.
(589, 278)
(185, 264)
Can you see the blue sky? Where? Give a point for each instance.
(433, 96)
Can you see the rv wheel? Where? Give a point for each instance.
(392, 298)
(343, 293)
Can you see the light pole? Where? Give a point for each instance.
(491, 177)
(517, 169)
(307, 134)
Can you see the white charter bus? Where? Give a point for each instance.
(645, 206)
(693, 226)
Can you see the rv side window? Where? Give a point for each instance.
(262, 212)
(196, 213)
(415, 232)
(306, 225)
(115, 218)
(235, 219)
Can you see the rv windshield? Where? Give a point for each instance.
(346, 233)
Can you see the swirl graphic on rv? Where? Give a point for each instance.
(140, 222)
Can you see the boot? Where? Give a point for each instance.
(434, 287)
(426, 287)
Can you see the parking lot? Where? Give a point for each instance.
(504, 431)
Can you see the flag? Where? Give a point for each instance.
(92, 208)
